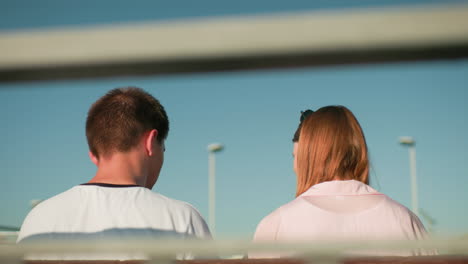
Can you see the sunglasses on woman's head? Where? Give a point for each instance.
(305, 114)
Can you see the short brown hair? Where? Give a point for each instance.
(117, 120)
(331, 147)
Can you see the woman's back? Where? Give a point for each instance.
(333, 198)
(340, 210)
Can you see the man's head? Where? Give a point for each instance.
(119, 120)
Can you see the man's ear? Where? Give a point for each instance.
(93, 158)
(150, 140)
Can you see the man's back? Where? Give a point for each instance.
(126, 131)
(97, 211)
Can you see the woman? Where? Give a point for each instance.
(333, 198)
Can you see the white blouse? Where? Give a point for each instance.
(341, 210)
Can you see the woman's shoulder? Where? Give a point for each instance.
(272, 217)
(405, 218)
(268, 227)
(396, 207)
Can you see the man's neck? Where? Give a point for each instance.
(120, 169)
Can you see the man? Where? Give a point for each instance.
(126, 130)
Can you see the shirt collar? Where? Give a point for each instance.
(350, 187)
(110, 185)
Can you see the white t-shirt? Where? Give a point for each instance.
(106, 211)
(338, 210)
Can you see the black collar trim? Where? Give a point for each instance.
(111, 185)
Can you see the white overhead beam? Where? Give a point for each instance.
(405, 29)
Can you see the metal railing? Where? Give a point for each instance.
(164, 251)
(238, 43)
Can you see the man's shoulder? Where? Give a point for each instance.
(38, 219)
(185, 215)
(55, 201)
(170, 202)
(81, 193)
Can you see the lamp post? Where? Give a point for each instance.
(411, 144)
(212, 149)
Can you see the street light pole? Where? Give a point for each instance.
(411, 144)
(212, 149)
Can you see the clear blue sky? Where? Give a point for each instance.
(254, 114)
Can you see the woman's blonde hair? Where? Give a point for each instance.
(331, 147)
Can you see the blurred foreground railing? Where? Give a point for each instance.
(322, 38)
(164, 251)
(8, 237)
